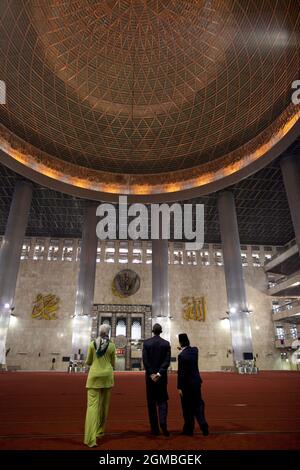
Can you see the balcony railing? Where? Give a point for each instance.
(276, 282)
(287, 306)
(286, 337)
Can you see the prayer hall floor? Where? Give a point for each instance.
(46, 410)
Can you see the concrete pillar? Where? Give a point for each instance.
(130, 252)
(262, 258)
(249, 255)
(46, 248)
(211, 255)
(86, 281)
(116, 255)
(236, 293)
(113, 325)
(171, 250)
(10, 254)
(59, 253)
(274, 252)
(128, 347)
(143, 326)
(160, 286)
(184, 256)
(199, 257)
(144, 252)
(102, 253)
(290, 167)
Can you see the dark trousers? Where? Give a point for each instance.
(157, 410)
(193, 407)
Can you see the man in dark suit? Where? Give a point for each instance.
(156, 359)
(189, 386)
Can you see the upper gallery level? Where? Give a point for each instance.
(140, 252)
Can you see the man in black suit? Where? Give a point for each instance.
(156, 359)
(189, 386)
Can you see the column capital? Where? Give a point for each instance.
(24, 183)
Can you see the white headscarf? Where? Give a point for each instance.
(102, 341)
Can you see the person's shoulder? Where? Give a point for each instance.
(165, 342)
(183, 352)
(148, 341)
(194, 352)
(189, 350)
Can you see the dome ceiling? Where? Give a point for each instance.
(146, 97)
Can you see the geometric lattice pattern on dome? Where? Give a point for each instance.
(130, 86)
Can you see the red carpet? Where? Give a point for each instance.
(40, 410)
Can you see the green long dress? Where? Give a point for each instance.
(99, 383)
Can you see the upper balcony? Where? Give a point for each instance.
(285, 286)
(289, 312)
(285, 263)
(286, 342)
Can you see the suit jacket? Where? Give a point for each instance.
(156, 356)
(188, 375)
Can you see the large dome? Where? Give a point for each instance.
(146, 97)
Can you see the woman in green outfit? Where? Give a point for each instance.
(101, 358)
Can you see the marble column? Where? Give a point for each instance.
(128, 347)
(290, 167)
(130, 252)
(160, 286)
(86, 281)
(235, 285)
(114, 326)
(10, 254)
